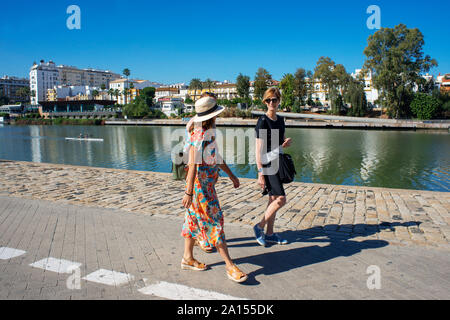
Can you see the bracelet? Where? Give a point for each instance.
(190, 195)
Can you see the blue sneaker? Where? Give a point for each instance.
(274, 238)
(259, 235)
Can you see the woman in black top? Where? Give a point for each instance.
(270, 140)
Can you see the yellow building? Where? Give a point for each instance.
(222, 91)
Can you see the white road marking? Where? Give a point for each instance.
(180, 292)
(9, 253)
(108, 277)
(56, 265)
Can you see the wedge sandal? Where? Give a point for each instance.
(236, 275)
(193, 265)
(204, 248)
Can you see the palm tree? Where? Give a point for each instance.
(195, 84)
(208, 84)
(131, 87)
(126, 72)
(94, 94)
(111, 92)
(125, 93)
(117, 93)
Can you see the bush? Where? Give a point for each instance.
(424, 106)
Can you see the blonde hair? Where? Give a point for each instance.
(273, 91)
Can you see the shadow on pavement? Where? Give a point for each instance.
(339, 245)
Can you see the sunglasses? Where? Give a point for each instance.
(273, 100)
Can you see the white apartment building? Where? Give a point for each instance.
(43, 76)
(46, 76)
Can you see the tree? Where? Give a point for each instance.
(126, 72)
(137, 109)
(103, 86)
(300, 86)
(208, 84)
(111, 93)
(356, 96)
(424, 106)
(262, 78)
(94, 94)
(243, 86)
(287, 85)
(324, 72)
(396, 59)
(310, 87)
(195, 84)
(146, 95)
(24, 93)
(117, 94)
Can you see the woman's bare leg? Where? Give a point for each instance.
(223, 251)
(275, 203)
(188, 249)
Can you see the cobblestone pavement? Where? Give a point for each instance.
(52, 250)
(398, 216)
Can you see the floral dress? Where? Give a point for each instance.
(204, 219)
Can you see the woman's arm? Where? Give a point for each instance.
(258, 149)
(187, 198)
(222, 165)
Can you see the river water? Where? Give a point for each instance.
(392, 159)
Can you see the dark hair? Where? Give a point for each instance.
(207, 124)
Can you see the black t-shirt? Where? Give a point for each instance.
(264, 122)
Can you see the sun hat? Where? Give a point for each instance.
(206, 108)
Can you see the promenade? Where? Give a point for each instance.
(124, 226)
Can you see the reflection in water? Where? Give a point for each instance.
(396, 159)
(35, 144)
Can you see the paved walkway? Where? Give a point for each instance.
(398, 216)
(50, 250)
(62, 248)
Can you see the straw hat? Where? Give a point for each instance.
(206, 108)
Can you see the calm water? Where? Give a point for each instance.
(394, 159)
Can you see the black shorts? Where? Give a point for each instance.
(274, 185)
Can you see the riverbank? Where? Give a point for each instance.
(396, 215)
(290, 123)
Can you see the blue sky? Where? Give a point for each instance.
(176, 41)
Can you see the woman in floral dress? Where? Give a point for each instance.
(204, 217)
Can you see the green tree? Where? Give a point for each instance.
(424, 106)
(117, 94)
(243, 86)
(208, 84)
(196, 84)
(396, 59)
(111, 93)
(24, 93)
(300, 86)
(287, 86)
(356, 97)
(94, 94)
(146, 95)
(126, 72)
(262, 78)
(137, 109)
